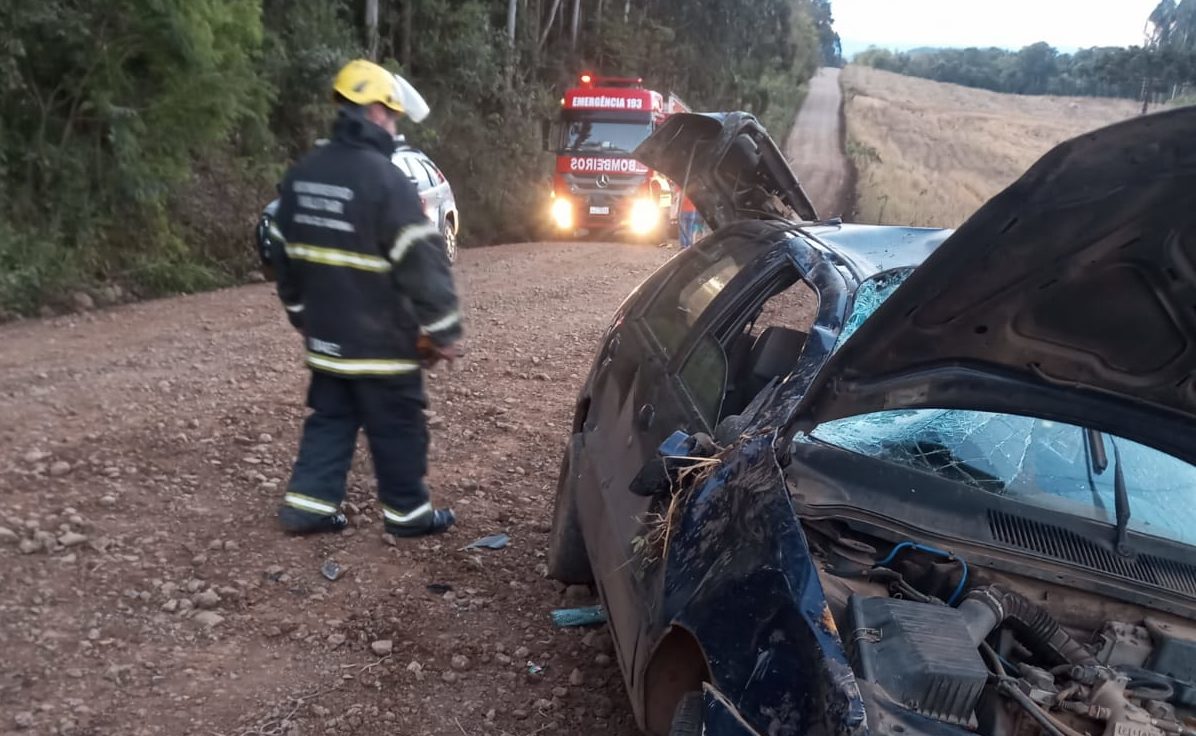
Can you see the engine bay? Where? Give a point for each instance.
(1002, 655)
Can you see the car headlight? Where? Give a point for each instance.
(562, 213)
(645, 216)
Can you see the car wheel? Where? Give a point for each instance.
(567, 558)
(450, 240)
(687, 719)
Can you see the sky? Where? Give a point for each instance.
(1065, 24)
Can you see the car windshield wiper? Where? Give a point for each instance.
(1098, 463)
(1097, 456)
(1121, 504)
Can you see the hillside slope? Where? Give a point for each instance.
(930, 153)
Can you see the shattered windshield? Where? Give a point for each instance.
(1035, 460)
(1038, 461)
(868, 298)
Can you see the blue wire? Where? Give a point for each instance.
(963, 578)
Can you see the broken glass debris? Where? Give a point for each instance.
(1038, 461)
(868, 298)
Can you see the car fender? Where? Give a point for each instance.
(737, 552)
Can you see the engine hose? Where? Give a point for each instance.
(1051, 725)
(987, 608)
(949, 556)
(993, 659)
(1147, 685)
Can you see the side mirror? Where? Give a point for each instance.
(676, 453)
(546, 127)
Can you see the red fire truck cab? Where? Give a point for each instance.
(598, 186)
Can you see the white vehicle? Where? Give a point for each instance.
(434, 192)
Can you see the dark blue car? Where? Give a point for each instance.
(846, 479)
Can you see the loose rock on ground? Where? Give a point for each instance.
(145, 577)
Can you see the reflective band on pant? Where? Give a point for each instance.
(409, 236)
(362, 367)
(294, 308)
(395, 517)
(337, 257)
(307, 503)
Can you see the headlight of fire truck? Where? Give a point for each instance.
(562, 213)
(645, 216)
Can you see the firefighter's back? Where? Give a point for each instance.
(334, 209)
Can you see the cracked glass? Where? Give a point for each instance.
(871, 294)
(1038, 461)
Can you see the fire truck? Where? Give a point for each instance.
(598, 187)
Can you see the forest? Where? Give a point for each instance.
(139, 139)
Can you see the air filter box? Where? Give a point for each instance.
(1174, 650)
(920, 654)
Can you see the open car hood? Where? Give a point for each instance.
(1069, 296)
(728, 166)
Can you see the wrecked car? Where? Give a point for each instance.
(847, 480)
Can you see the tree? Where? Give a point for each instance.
(106, 107)
(1034, 67)
(139, 137)
(1161, 24)
(828, 40)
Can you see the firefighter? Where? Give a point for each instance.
(364, 277)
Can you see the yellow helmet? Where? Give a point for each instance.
(365, 83)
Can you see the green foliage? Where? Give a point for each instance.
(106, 107)
(484, 128)
(139, 138)
(828, 40)
(32, 267)
(306, 42)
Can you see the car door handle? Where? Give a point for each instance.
(646, 417)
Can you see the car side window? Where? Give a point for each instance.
(677, 307)
(433, 173)
(404, 164)
(420, 173)
(730, 366)
(704, 376)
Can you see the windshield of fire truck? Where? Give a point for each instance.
(598, 136)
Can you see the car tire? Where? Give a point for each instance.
(687, 719)
(450, 240)
(568, 561)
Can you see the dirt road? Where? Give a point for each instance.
(144, 587)
(815, 146)
(145, 590)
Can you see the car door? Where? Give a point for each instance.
(410, 166)
(436, 198)
(637, 401)
(427, 189)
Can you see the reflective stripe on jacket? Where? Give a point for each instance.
(362, 271)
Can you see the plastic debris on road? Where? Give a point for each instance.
(569, 617)
(494, 541)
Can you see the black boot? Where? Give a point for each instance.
(299, 522)
(435, 522)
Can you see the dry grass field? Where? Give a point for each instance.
(929, 154)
